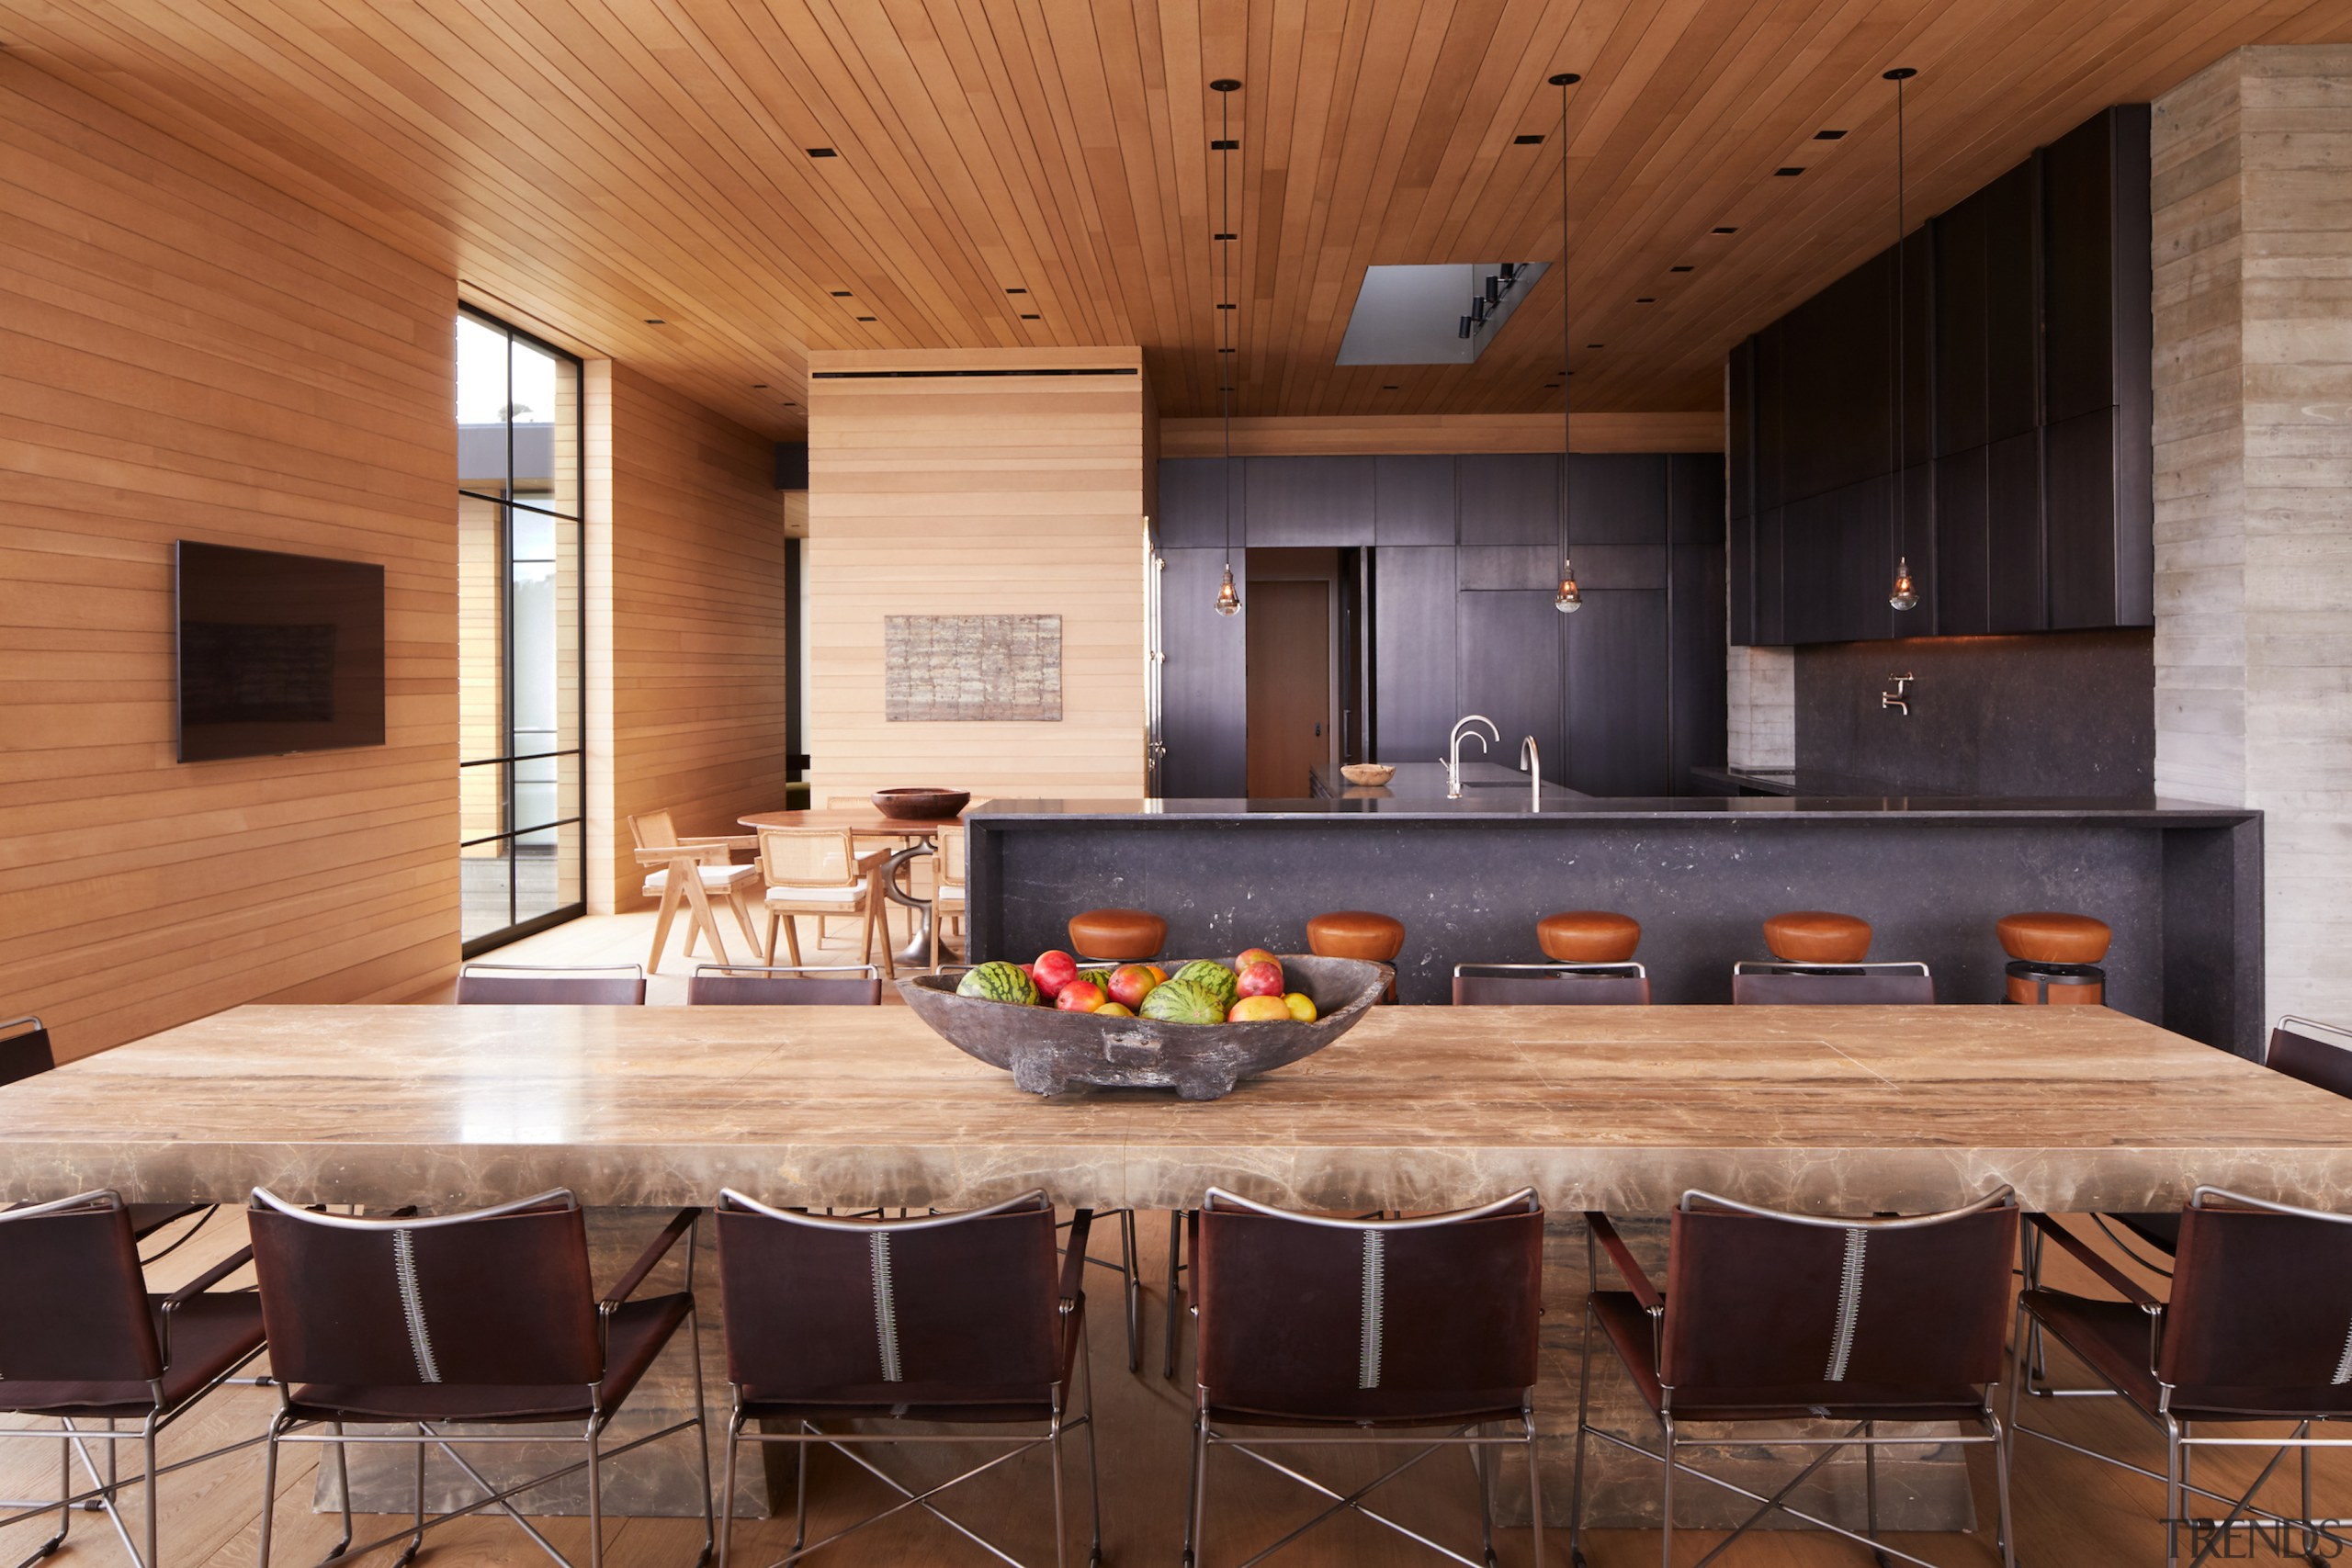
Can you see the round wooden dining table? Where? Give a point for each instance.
(921, 837)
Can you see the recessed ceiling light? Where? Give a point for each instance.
(1828, 135)
(1225, 351)
(1229, 307)
(1389, 387)
(1646, 300)
(1677, 269)
(1016, 292)
(866, 318)
(759, 386)
(822, 153)
(1723, 229)
(1532, 140)
(840, 293)
(1224, 144)
(1595, 345)
(655, 322)
(1226, 236)
(1028, 316)
(1785, 171)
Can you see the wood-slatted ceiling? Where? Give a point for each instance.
(585, 165)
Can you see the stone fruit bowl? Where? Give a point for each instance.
(1047, 1051)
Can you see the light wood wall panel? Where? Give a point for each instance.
(1314, 436)
(686, 673)
(991, 493)
(186, 353)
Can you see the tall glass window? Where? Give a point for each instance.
(520, 676)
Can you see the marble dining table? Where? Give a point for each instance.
(1613, 1108)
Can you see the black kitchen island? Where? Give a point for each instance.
(2180, 884)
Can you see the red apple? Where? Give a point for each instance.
(1130, 983)
(1053, 970)
(1253, 955)
(1080, 996)
(1262, 978)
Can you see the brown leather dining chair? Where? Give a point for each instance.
(1416, 1332)
(529, 985)
(1551, 985)
(1772, 984)
(25, 1051)
(2254, 1332)
(966, 1320)
(1772, 1317)
(785, 985)
(85, 1344)
(469, 1320)
(2303, 1048)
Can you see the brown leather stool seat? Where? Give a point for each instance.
(1356, 933)
(1817, 936)
(1124, 934)
(1589, 936)
(2055, 958)
(2051, 937)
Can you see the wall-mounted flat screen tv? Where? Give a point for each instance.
(278, 653)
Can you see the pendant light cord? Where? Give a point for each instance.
(1899, 433)
(1227, 365)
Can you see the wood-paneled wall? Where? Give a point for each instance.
(953, 486)
(1309, 436)
(186, 353)
(686, 628)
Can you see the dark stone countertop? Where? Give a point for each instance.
(1805, 781)
(1426, 782)
(1494, 806)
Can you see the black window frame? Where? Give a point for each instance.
(516, 929)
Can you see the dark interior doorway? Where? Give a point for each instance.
(1293, 604)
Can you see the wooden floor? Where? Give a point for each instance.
(2071, 1511)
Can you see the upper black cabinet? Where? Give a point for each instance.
(1308, 500)
(1511, 498)
(2013, 334)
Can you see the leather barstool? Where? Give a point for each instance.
(1817, 936)
(1358, 933)
(1124, 936)
(1589, 936)
(2054, 958)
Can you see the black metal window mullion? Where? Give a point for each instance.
(570, 811)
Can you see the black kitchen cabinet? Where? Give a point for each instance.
(1507, 499)
(1308, 500)
(1412, 501)
(2024, 368)
(1695, 673)
(1413, 651)
(1618, 498)
(1202, 701)
(1512, 647)
(1619, 718)
(1191, 503)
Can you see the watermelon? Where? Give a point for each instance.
(1213, 979)
(1100, 976)
(1177, 1002)
(998, 982)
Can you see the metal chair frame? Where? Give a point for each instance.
(1627, 970)
(584, 971)
(723, 971)
(2180, 1441)
(75, 1440)
(284, 1427)
(807, 1434)
(1466, 1436)
(1599, 1234)
(1790, 966)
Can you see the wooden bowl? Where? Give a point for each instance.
(1047, 1051)
(1368, 772)
(920, 805)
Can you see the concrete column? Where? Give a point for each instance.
(2253, 241)
(1760, 700)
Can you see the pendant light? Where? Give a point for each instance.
(1568, 599)
(1905, 594)
(1228, 599)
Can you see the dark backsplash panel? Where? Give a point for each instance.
(2057, 713)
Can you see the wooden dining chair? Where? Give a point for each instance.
(686, 872)
(947, 894)
(818, 871)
